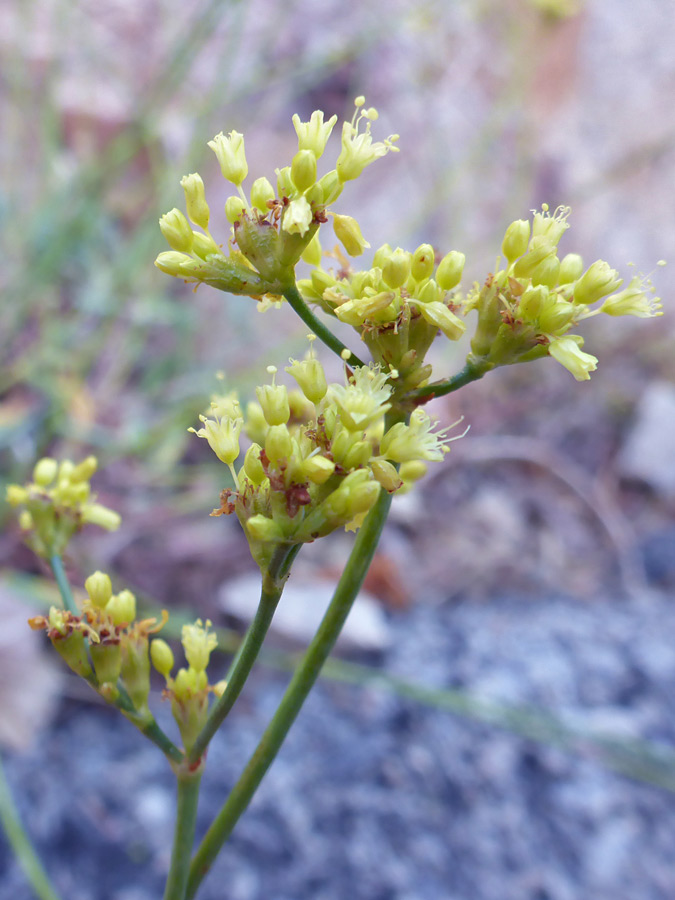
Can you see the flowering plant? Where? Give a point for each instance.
(317, 456)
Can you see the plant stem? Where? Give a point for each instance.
(21, 844)
(302, 682)
(469, 373)
(184, 834)
(272, 587)
(56, 563)
(318, 328)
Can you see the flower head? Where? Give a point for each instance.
(358, 149)
(313, 135)
(231, 156)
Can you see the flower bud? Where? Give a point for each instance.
(45, 471)
(231, 156)
(172, 262)
(222, 436)
(234, 208)
(540, 249)
(260, 528)
(99, 588)
(195, 200)
(318, 469)
(97, 514)
(386, 474)
(312, 252)
(162, 656)
(83, 471)
(273, 399)
(396, 269)
(203, 245)
(450, 268)
(198, 643)
(516, 239)
(16, 494)
(278, 444)
(571, 267)
(532, 302)
(430, 292)
(567, 351)
(596, 282)
(556, 315)
(303, 170)
(176, 230)
(284, 182)
(349, 234)
(546, 273)
(262, 193)
(122, 608)
(252, 465)
(310, 377)
(331, 187)
(422, 262)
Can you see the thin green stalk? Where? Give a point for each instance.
(21, 844)
(184, 834)
(272, 587)
(56, 564)
(469, 373)
(318, 328)
(301, 684)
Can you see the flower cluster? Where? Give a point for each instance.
(57, 503)
(189, 690)
(526, 310)
(106, 644)
(398, 305)
(319, 455)
(274, 226)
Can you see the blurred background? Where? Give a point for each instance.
(535, 567)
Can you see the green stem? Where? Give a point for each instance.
(147, 725)
(301, 684)
(324, 334)
(184, 834)
(469, 373)
(21, 845)
(272, 587)
(56, 563)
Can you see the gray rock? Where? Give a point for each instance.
(649, 451)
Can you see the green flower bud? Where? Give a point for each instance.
(385, 473)
(571, 267)
(450, 268)
(231, 156)
(303, 170)
(556, 315)
(262, 193)
(278, 444)
(546, 273)
(422, 262)
(260, 528)
(252, 465)
(97, 514)
(273, 399)
(321, 281)
(596, 282)
(176, 230)
(516, 239)
(532, 302)
(122, 608)
(440, 316)
(99, 588)
(318, 469)
(310, 377)
(171, 263)
(312, 253)
(348, 232)
(15, 494)
(285, 185)
(429, 293)
(204, 245)
(396, 269)
(234, 209)
(162, 656)
(195, 200)
(45, 471)
(540, 249)
(83, 471)
(382, 254)
(331, 187)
